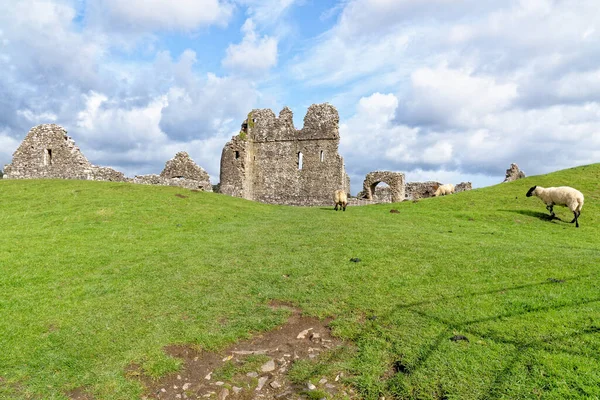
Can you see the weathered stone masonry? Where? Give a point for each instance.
(272, 162)
(180, 171)
(47, 152)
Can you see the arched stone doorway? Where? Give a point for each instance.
(395, 181)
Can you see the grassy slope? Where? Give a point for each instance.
(94, 276)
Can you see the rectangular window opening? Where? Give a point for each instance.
(300, 160)
(322, 155)
(48, 157)
(237, 155)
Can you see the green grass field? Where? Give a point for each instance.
(95, 276)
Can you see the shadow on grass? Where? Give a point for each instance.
(535, 214)
(548, 344)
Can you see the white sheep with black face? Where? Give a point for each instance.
(560, 196)
(340, 198)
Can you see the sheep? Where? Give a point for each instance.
(340, 198)
(443, 190)
(561, 196)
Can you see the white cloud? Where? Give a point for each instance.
(36, 119)
(457, 97)
(41, 43)
(254, 55)
(8, 145)
(183, 15)
(267, 12)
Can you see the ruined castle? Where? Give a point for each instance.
(268, 161)
(272, 162)
(48, 152)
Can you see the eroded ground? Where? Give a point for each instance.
(255, 369)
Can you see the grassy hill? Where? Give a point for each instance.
(95, 276)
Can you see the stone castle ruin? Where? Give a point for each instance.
(48, 152)
(268, 161)
(272, 162)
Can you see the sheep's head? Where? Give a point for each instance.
(530, 192)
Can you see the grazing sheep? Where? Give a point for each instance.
(561, 196)
(443, 190)
(340, 198)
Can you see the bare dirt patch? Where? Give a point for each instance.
(253, 369)
(79, 394)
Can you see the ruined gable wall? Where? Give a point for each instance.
(47, 152)
(182, 171)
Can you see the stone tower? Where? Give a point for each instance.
(272, 162)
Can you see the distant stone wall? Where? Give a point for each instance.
(513, 173)
(463, 186)
(153, 179)
(47, 152)
(409, 191)
(272, 162)
(420, 190)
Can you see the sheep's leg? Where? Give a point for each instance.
(576, 214)
(335, 207)
(344, 207)
(551, 209)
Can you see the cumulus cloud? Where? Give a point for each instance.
(130, 114)
(471, 85)
(540, 141)
(254, 55)
(447, 96)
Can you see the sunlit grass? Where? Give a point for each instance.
(95, 276)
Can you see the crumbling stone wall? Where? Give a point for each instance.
(395, 181)
(182, 171)
(513, 173)
(421, 190)
(47, 152)
(273, 162)
(463, 186)
(154, 179)
(182, 166)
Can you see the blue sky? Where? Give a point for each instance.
(447, 90)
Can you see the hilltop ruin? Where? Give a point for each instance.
(48, 152)
(268, 161)
(397, 190)
(272, 162)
